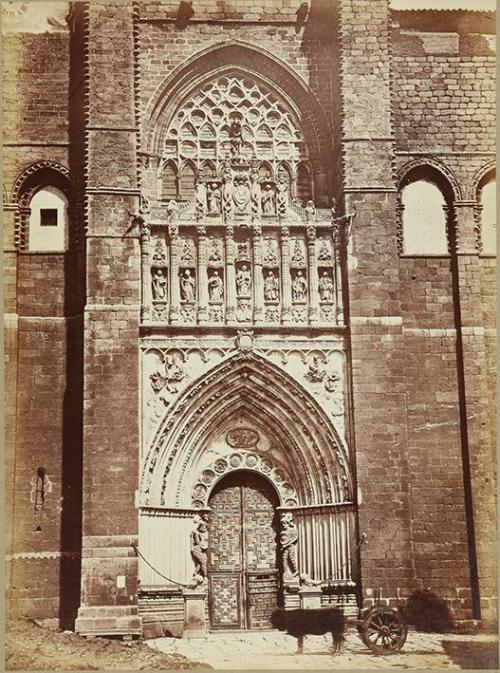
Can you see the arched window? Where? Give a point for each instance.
(237, 111)
(487, 201)
(423, 219)
(48, 220)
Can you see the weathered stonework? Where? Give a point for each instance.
(235, 326)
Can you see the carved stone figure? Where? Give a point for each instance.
(271, 287)
(227, 194)
(187, 286)
(173, 374)
(332, 382)
(243, 310)
(270, 256)
(281, 194)
(288, 541)
(199, 549)
(243, 282)
(172, 208)
(299, 287)
(235, 135)
(159, 285)
(241, 195)
(325, 286)
(334, 209)
(215, 256)
(215, 287)
(298, 258)
(310, 211)
(214, 198)
(243, 250)
(316, 372)
(200, 198)
(267, 198)
(324, 252)
(255, 192)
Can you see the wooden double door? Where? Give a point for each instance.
(243, 553)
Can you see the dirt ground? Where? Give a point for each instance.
(31, 647)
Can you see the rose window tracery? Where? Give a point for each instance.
(230, 119)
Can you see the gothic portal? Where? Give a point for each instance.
(250, 279)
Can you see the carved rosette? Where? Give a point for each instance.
(242, 460)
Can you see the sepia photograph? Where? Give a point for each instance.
(250, 335)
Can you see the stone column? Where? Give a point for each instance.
(286, 284)
(111, 326)
(258, 299)
(202, 276)
(146, 298)
(376, 328)
(174, 256)
(313, 274)
(230, 293)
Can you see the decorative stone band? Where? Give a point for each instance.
(448, 331)
(42, 555)
(242, 460)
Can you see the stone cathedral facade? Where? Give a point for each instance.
(249, 288)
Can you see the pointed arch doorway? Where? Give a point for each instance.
(243, 563)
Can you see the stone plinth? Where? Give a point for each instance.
(195, 625)
(310, 597)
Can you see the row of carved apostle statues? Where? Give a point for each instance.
(243, 285)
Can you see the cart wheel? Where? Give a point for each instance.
(384, 631)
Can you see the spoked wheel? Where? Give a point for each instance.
(384, 631)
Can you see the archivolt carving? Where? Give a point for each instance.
(248, 383)
(243, 460)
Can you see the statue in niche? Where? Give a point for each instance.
(159, 285)
(227, 193)
(199, 549)
(215, 255)
(270, 256)
(268, 200)
(236, 135)
(172, 208)
(334, 209)
(324, 252)
(288, 540)
(299, 287)
(215, 287)
(243, 250)
(255, 190)
(200, 198)
(325, 286)
(298, 258)
(243, 282)
(187, 286)
(241, 195)
(214, 198)
(310, 211)
(271, 287)
(281, 194)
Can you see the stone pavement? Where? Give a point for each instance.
(274, 650)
